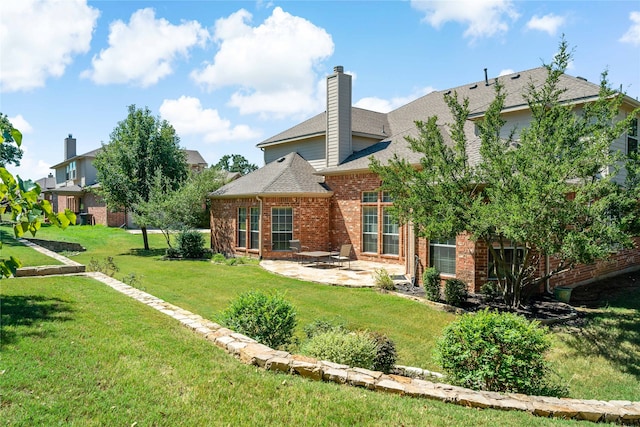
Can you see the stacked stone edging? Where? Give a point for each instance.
(49, 270)
(57, 246)
(251, 352)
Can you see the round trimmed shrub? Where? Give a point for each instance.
(500, 352)
(455, 292)
(431, 281)
(190, 244)
(356, 349)
(269, 319)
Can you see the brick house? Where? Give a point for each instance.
(316, 185)
(74, 180)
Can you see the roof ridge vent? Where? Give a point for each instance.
(280, 160)
(515, 76)
(474, 86)
(582, 78)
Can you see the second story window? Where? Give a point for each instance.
(70, 171)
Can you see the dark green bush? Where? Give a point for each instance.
(386, 354)
(490, 290)
(269, 319)
(431, 281)
(455, 292)
(356, 349)
(190, 244)
(172, 253)
(498, 352)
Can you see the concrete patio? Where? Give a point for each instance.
(360, 274)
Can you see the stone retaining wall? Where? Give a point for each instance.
(57, 246)
(49, 270)
(251, 352)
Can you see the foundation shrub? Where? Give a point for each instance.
(455, 292)
(386, 354)
(383, 280)
(500, 352)
(269, 319)
(431, 281)
(356, 349)
(190, 244)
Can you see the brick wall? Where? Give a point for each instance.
(310, 224)
(346, 215)
(626, 259)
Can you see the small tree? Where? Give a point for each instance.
(140, 147)
(235, 163)
(542, 191)
(183, 208)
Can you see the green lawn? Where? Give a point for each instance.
(599, 361)
(77, 353)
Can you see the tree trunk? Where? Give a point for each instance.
(145, 238)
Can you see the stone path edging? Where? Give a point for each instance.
(251, 352)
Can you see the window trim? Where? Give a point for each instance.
(253, 232)
(241, 238)
(632, 137)
(288, 233)
(385, 235)
(380, 201)
(443, 243)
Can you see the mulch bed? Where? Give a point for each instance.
(544, 307)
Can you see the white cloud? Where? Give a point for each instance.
(386, 105)
(188, 117)
(274, 63)
(505, 72)
(21, 124)
(484, 18)
(143, 51)
(633, 33)
(548, 23)
(38, 39)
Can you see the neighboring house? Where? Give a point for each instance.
(76, 178)
(316, 186)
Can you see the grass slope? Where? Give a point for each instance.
(77, 353)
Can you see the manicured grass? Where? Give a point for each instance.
(599, 361)
(77, 353)
(28, 257)
(603, 357)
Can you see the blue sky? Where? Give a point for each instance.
(229, 74)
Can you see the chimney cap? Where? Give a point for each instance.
(338, 69)
(70, 136)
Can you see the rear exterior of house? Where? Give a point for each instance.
(316, 186)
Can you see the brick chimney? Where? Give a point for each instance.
(69, 147)
(338, 143)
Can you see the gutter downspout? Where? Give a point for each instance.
(547, 280)
(260, 230)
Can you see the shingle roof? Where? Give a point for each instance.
(289, 175)
(194, 158)
(402, 120)
(362, 121)
(46, 183)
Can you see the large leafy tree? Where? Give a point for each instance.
(140, 147)
(235, 163)
(546, 189)
(21, 198)
(9, 153)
